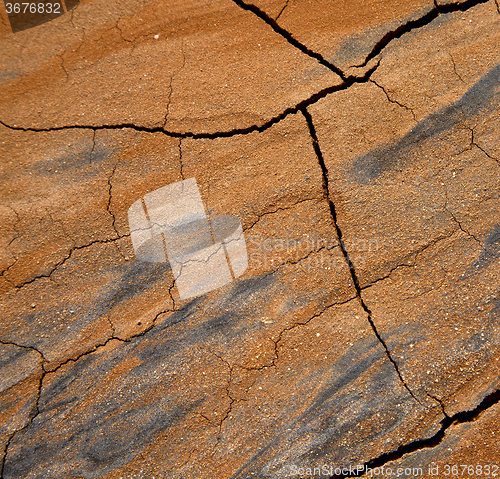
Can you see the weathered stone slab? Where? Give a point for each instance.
(107, 372)
(193, 379)
(92, 288)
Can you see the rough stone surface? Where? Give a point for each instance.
(222, 414)
(471, 448)
(357, 144)
(180, 66)
(415, 177)
(343, 32)
(21, 371)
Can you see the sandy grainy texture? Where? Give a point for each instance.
(357, 143)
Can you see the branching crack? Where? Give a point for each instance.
(228, 392)
(473, 143)
(211, 136)
(429, 443)
(117, 26)
(459, 224)
(66, 258)
(456, 220)
(391, 100)
(45, 371)
(283, 331)
(448, 421)
(111, 326)
(441, 405)
(86, 353)
(36, 410)
(345, 253)
(415, 253)
(296, 325)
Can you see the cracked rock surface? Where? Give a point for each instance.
(358, 143)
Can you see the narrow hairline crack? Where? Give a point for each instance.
(474, 143)
(66, 258)
(391, 100)
(171, 88)
(108, 206)
(345, 253)
(30, 420)
(415, 254)
(298, 324)
(165, 119)
(291, 39)
(227, 388)
(280, 208)
(455, 68)
(181, 170)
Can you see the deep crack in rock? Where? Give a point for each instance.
(419, 23)
(290, 39)
(345, 253)
(447, 423)
(211, 136)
